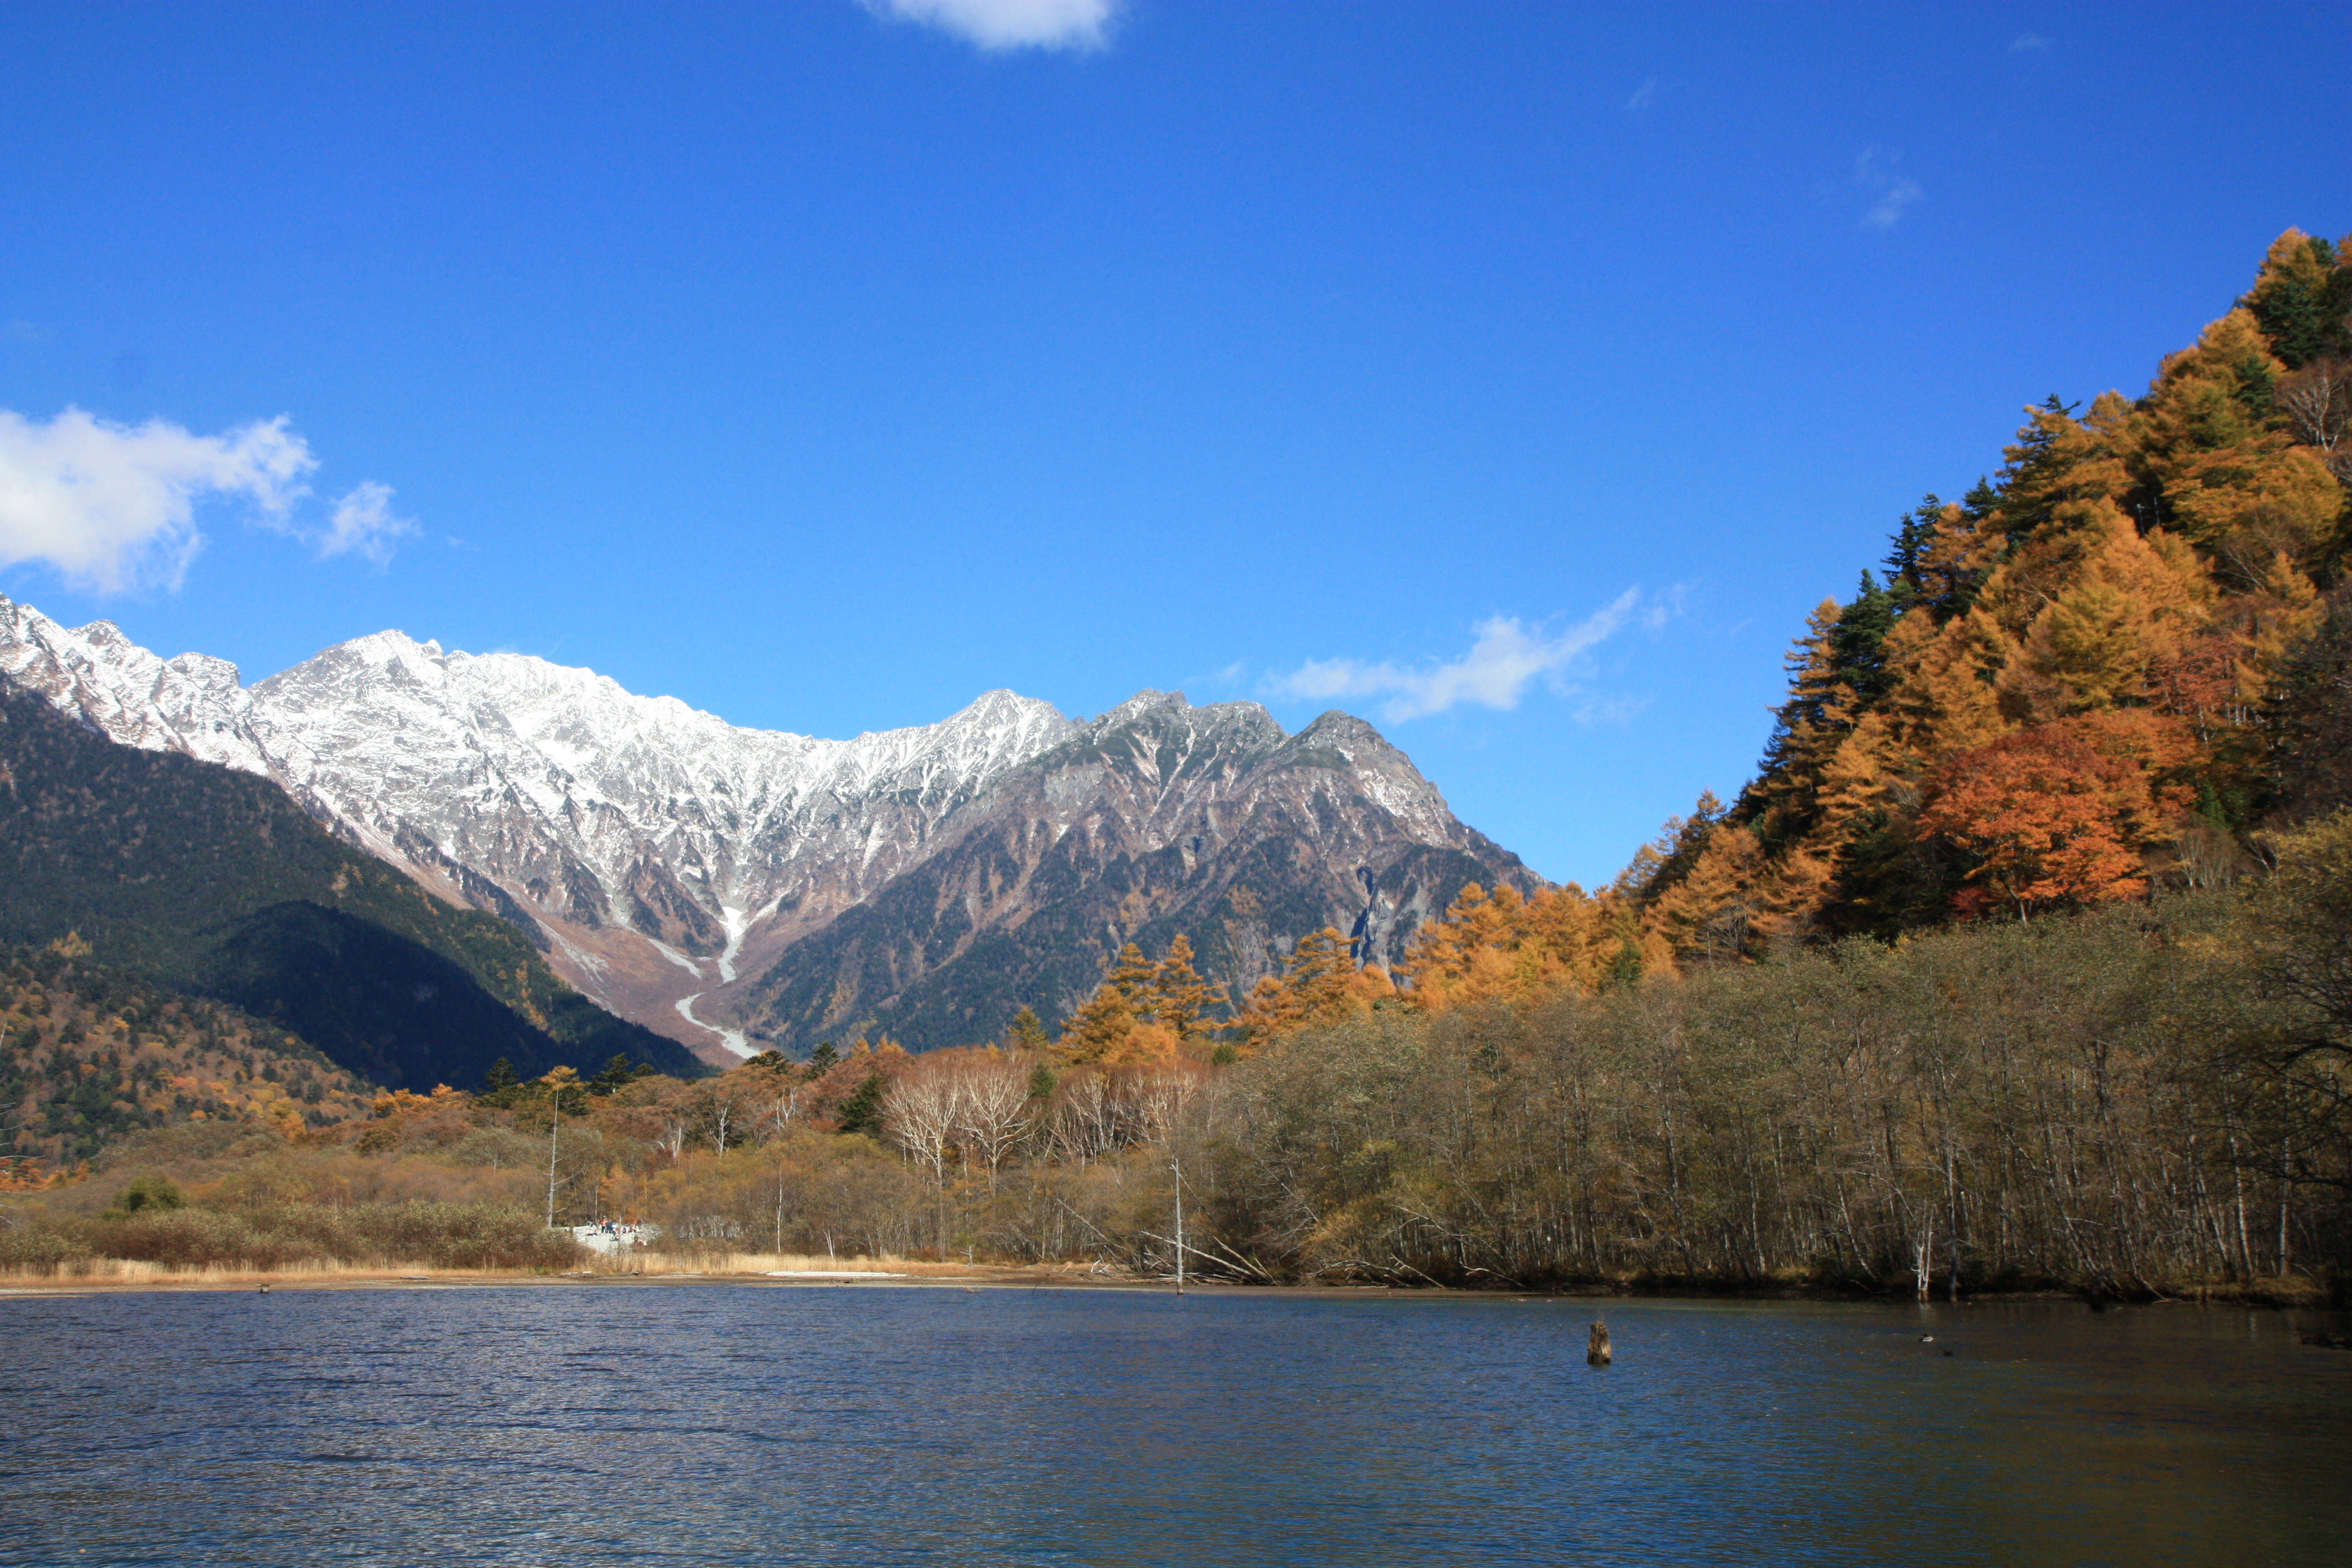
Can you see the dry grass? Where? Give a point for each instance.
(134, 1274)
(650, 1263)
(137, 1272)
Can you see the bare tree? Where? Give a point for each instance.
(1084, 1123)
(2318, 402)
(992, 1110)
(919, 1111)
(1159, 1099)
(721, 1104)
(785, 1108)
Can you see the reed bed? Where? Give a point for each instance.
(137, 1272)
(652, 1262)
(140, 1271)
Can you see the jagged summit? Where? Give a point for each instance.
(1156, 819)
(664, 858)
(549, 794)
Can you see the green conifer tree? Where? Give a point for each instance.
(862, 1111)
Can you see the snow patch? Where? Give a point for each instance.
(737, 923)
(731, 1038)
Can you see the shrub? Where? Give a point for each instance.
(38, 1246)
(280, 1236)
(148, 1193)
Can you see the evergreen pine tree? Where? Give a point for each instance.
(862, 1111)
(1858, 638)
(616, 1073)
(1911, 537)
(2298, 298)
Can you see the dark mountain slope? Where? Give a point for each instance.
(214, 881)
(1157, 819)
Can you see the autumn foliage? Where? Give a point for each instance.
(2118, 664)
(2049, 820)
(1144, 1013)
(2069, 685)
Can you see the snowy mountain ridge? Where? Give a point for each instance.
(193, 703)
(604, 808)
(663, 858)
(551, 794)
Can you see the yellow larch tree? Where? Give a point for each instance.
(1320, 984)
(1501, 945)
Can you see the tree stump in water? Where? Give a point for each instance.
(1596, 1349)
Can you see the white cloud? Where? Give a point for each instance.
(2028, 42)
(1642, 96)
(1506, 656)
(113, 507)
(1890, 190)
(1012, 23)
(362, 524)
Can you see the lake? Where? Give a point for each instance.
(869, 1424)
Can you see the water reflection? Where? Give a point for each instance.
(726, 1423)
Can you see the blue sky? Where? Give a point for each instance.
(1515, 376)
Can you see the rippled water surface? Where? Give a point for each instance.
(875, 1425)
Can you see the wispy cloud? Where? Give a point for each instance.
(1495, 673)
(997, 25)
(1890, 190)
(1642, 95)
(113, 507)
(1884, 212)
(363, 525)
(2028, 42)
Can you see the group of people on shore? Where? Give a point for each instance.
(614, 1234)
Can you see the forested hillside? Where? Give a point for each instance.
(2132, 1101)
(2092, 677)
(2089, 676)
(89, 1053)
(200, 878)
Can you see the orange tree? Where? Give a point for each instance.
(2050, 818)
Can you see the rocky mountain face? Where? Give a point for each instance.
(1156, 819)
(735, 888)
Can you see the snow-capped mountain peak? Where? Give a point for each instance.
(548, 793)
(657, 852)
(193, 703)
